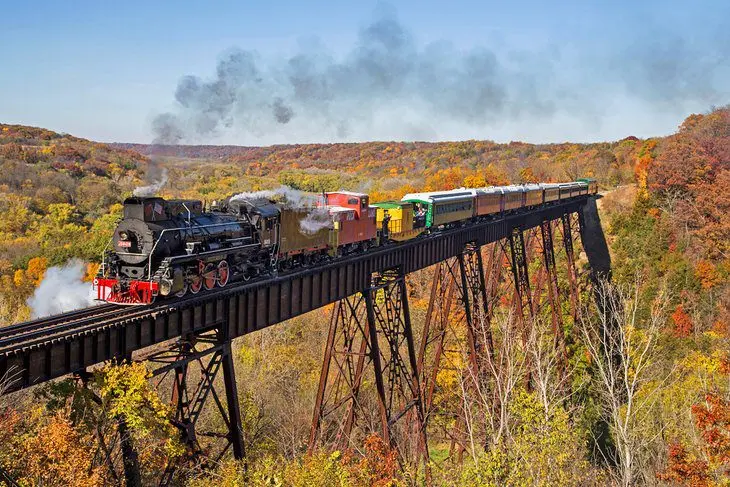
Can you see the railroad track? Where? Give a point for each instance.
(51, 320)
(13, 334)
(40, 331)
(30, 333)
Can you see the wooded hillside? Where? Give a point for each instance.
(658, 416)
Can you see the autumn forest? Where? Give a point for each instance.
(661, 418)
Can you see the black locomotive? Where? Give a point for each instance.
(172, 247)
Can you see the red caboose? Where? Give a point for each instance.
(356, 228)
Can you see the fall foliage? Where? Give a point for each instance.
(668, 226)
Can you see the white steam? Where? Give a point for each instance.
(316, 220)
(154, 187)
(61, 290)
(289, 197)
(318, 217)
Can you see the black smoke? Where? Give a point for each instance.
(388, 86)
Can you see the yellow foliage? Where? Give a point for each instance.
(92, 269)
(476, 180)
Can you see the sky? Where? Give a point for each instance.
(258, 73)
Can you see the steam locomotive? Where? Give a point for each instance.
(163, 248)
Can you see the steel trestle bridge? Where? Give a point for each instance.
(370, 327)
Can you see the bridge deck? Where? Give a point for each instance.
(40, 351)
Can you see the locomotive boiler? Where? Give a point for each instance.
(169, 247)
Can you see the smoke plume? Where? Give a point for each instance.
(388, 86)
(156, 177)
(61, 290)
(317, 218)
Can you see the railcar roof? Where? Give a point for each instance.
(348, 193)
(340, 209)
(434, 196)
(388, 205)
(137, 200)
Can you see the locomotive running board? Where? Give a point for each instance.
(184, 258)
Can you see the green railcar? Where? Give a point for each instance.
(441, 208)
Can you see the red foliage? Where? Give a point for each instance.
(683, 470)
(381, 461)
(694, 164)
(682, 323)
(713, 420)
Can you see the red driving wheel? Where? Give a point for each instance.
(223, 273)
(196, 284)
(210, 276)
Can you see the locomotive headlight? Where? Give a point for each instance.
(123, 235)
(165, 286)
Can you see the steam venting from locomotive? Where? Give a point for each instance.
(316, 220)
(62, 289)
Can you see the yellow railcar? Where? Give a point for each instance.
(400, 220)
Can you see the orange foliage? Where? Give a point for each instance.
(707, 274)
(445, 179)
(643, 161)
(712, 418)
(33, 275)
(527, 175)
(684, 470)
(37, 269)
(59, 455)
(654, 213)
(381, 462)
(682, 323)
(92, 269)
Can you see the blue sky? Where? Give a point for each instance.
(556, 70)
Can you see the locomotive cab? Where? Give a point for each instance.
(262, 214)
(155, 209)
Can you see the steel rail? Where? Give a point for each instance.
(46, 321)
(61, 323)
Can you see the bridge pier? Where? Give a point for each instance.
(548, 253)
(567, 231)
(211, 350)
(463, 276)
(372, 331)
